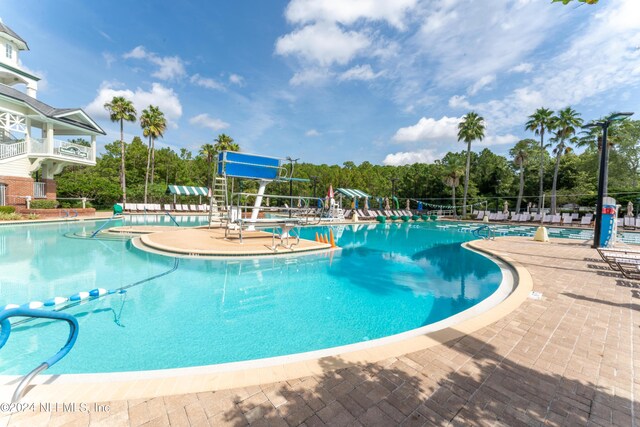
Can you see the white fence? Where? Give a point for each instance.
(10, 150)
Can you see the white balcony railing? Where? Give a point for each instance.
(62, 148)
(14, 149)
(39, 146)
(69, 149)
(39, 190)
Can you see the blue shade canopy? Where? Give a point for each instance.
(185, 190)
(354, 194)
(251, 166)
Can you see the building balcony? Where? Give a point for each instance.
(44, 148)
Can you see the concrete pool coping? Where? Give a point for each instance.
(147, 384)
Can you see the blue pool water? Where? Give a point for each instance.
(386, 279)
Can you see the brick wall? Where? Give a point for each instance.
(17, 188)
(50, 188)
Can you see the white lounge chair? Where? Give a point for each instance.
(556, 219)
(567, 220)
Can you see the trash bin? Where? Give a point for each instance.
(117, 209)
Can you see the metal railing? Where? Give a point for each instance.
(241, 212)
(39, 190)
(11, 150)
(61, 148)
(489, 234)
(41, 314)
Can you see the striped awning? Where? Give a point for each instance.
(354, 194)
(185, 190)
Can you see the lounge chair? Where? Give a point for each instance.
(556, 219)
(536, 217)
(480, 215)
(585, 220)
(620, 222)
(167, 207)
(567, 220)
(575, 216)
(609, 255)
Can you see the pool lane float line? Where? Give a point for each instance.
(80, 296)
(55, 301)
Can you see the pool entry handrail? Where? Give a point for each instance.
(490, 233)
(41, 314)
(103, 225)
(172, 218)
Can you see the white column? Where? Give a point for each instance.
(49, 143)
(32, 89)
(258, 203)
(27, 136)
(93, 147)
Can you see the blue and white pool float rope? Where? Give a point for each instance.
(80, 296)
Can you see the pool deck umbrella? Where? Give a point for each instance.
(505, 209)
(630, 209)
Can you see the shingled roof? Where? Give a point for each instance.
(49, 111)
(22, 45)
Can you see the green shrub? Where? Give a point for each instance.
(7, 209)
(44, 204)
(9, 216)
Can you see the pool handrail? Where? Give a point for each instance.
(172, 218)
(490, 232)
(42, 314)
(103, 225)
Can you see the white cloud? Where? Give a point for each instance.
(109, 58)
(236, 79)
(491, 140)
(206, 82)
(169, 67)
(598, 59)
(322, 43)
(312, 133)
(137, 52)
(359, 72)
(428, 129)
(459, 101)
(348, 12)
(427, 155)
(163, 97)
(311, 76)
(523, 67)
(205, 121)
(465, 41)
(481, 83)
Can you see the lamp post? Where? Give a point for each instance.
(314, 182)
(604, 170)
(292, 162)
(498, 181)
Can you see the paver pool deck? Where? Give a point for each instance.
(569, 358)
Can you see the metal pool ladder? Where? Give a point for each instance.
(490, 233)
(42, 314)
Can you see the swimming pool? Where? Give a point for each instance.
(386, 279)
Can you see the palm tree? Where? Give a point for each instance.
(153, 125)
(566, 123)
(540, 121)
(208, 151)
(225, 143)
(469, 129)
(121, 109)
(452, 179)
(520, 153)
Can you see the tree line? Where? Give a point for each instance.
(533, 167)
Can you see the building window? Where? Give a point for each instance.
(9, 50)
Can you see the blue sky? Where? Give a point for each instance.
(332, 80)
